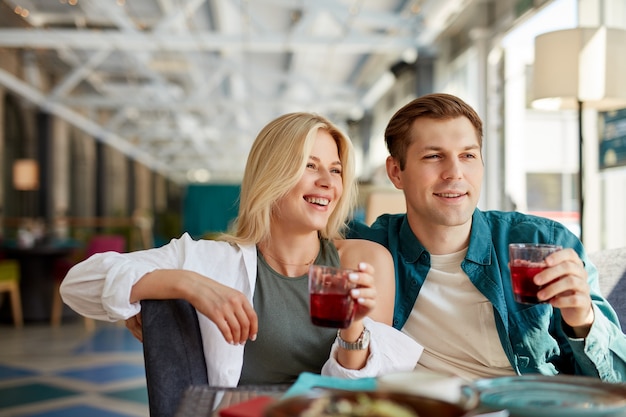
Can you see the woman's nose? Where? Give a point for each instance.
(323, 177)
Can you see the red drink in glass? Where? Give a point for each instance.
(332, 310)
(331, 304)
(525, 261)
(522, 274)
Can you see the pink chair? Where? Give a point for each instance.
(97, 244)
(105, 243)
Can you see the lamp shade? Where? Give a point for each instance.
(25, 174)
(580, 64)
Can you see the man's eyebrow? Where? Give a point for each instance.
(439, 148)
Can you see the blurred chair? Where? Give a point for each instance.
(383, 201)
(10, 282)
(173, 353)
(97, 244)
(143, 222)
(611, 264)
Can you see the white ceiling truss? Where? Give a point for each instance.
(185, 85)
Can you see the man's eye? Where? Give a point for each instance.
(431, 157)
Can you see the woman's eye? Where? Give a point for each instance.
(336, 171)
(310, 165)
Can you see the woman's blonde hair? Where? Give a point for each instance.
(276, 163)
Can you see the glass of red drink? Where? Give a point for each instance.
(330, 302)
(525, 261)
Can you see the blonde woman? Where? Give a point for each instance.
(250, 286)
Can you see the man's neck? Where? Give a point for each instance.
(441, 239)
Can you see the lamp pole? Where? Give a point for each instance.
(581, 182)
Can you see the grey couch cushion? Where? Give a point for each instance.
(173, 353)
(611, 264)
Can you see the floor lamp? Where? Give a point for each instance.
(580, 68)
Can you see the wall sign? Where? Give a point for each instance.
(612, 137)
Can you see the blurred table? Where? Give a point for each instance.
(36, 277)
(206, 401)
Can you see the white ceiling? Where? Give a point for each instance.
(185, 85)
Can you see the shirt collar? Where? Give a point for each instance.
(410, 248)
(480, 245)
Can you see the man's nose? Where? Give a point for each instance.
(453, 169)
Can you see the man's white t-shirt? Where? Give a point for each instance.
(455, 323)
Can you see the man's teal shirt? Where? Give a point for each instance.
(534, 337)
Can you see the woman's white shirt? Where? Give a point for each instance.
(100, 288)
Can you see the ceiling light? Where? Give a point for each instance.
(356, 113)
(409, 55)
(199, 175)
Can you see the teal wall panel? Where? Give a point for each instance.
(209, 208)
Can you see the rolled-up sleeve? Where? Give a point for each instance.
(100, 286)
(390, 351)
(603, 352)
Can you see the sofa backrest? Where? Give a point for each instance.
(611, 264)
(173, 353)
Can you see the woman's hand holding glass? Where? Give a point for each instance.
(365, 294)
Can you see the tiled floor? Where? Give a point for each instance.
(69, 372)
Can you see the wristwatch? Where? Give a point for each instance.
(361, 343)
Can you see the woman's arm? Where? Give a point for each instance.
(110, 286)
(352, 252)
(228, 308)
(100, 286)
(374, 294)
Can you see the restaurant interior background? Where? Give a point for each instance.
(134, 117)
(100, 132)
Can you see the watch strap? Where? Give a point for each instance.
(361, 343)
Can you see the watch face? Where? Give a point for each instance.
(360, 344)
(365, 336)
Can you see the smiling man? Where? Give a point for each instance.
(452, 277)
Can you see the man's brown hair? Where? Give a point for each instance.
(433, 106)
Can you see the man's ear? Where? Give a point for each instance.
(393, 172)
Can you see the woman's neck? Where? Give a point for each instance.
(290, 255)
